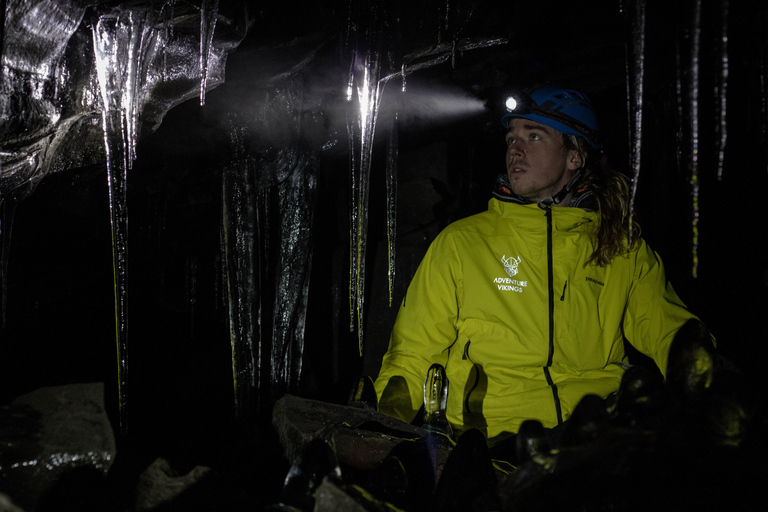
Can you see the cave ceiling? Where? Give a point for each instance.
(50, 107)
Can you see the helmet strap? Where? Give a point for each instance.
(557, 198)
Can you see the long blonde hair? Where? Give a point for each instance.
(616, 232)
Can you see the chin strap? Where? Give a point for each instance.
(555, 199)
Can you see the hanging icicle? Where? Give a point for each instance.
(243, 288)
(366, 87)
(296, 204)
(721, 88)
(391, 172)
(635, 75)
(209, 10)
(352, 138)
(119, 43)
(680, 142)
(167, 12)
(693, 106)
(368, 96)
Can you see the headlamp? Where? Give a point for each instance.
(518, 102)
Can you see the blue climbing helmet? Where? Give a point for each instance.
(565, 110)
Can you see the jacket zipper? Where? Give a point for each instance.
(551, 306)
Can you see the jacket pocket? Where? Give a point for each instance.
(465, 355)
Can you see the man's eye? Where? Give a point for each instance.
(510, 141)
(535, 136)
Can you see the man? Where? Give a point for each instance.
(526, 305)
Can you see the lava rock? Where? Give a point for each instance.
(160, 484)
(360, 438)
(61, 430)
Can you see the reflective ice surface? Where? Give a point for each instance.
(209, 10)
(122, 42)
(635, 76)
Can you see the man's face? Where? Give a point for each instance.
(538, 164)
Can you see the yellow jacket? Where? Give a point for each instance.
(524, 331)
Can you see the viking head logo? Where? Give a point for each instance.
(510, 265)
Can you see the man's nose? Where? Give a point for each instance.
(515, 148)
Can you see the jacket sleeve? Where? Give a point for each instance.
(654, 313)
(423, 333)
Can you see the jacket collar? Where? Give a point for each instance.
(582, 198)
(531, 217)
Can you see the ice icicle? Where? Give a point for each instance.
(440, 21)
(268, 259)
(679, 105)
(168, 16)
(243, 287)
(352, 139)
(368, 91)
(635, 75)
(721, 88)
(208, 14)
(296, 193)
(364, 94)
(391, 172)
(447, 15)
(693, 106)
(119, 42)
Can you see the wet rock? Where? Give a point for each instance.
(316, 462)
(691, 364)
(160, 484)
(51, 433)
(331, 497)
(587, 420)
(469, 478)
(680, 444)
(407, 477)
(360, 438)
(641, 401)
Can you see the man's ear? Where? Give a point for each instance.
(576, 159)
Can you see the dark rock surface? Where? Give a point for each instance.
(361, 439)
(51, 433)
(160, 484)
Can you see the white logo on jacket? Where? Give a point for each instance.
(506, 284)
(510, 265)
